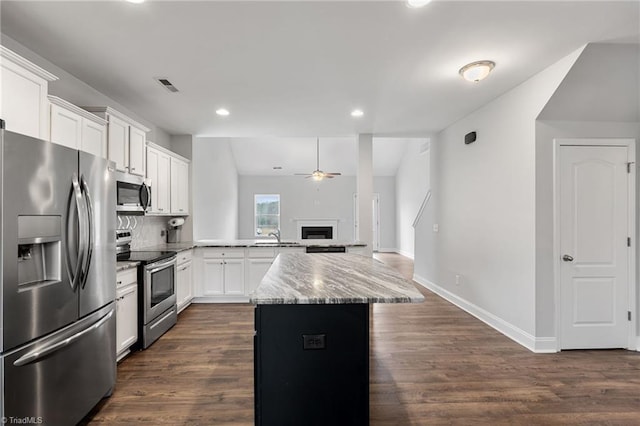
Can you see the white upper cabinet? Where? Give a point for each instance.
(137, 145)
(94, 138)
(23, 99)
(118, 143)
(126, 140)
(158, 165)
(179, 187)
(169, 178)
(76, 128)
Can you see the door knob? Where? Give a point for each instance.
(567, 258)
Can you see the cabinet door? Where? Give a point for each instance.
(94, 138)
(126, 318)
(184, 291)
(66, 127)
(118, 143)
(234, 276)
(158, 173)
(256, 270)
(23, 100)
(179, 186)
(137, 145)
(213, 277)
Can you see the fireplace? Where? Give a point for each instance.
(317, 233)
(317, 229)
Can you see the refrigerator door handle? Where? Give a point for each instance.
(76, 196)
(90, 234)
(43, 351)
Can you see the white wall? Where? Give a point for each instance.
(412, 184)
(302, 198)
(597, 99)
(79, 93)
(385, 187)
(214, 190)
(483, 198)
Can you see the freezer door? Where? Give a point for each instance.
(98, 283)
(36, 293)
(61, 377)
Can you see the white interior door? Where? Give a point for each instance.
(595, 222)
(376, 220)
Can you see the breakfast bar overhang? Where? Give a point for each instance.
(311, 347)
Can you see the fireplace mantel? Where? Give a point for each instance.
(333, 223)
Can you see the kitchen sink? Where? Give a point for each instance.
(275, 243)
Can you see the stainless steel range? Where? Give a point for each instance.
(157, 310)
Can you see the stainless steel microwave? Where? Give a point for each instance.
(133, 194)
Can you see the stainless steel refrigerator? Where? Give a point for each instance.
(57, 319)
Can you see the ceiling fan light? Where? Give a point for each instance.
(414, 4)
(477, 71)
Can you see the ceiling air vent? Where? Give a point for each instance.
(166, 84)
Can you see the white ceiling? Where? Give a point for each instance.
(295, 69)
(258, 156)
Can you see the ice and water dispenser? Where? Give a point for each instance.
(39, 246)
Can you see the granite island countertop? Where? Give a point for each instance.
(299, 278)
(188, 245)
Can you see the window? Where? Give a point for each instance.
(267, 213)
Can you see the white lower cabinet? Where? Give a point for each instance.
(222, 272)
(256, 270)
(184, 287)
(126, 311)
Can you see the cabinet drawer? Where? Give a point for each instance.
(261, 252)
(231, 253)
(185, 256)
(126, 277)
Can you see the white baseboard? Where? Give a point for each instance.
(387, 250)
(405, 253)
(534, 344)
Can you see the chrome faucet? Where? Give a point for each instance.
(276, 234)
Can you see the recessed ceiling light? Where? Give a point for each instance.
(477, 71)
(414, 4)
(357, 113)
(135, 1)
(223, 112)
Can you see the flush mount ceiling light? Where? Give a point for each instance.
(135, 1)
(414, 4)
(223, 112)
(476, 71)
(357, 113)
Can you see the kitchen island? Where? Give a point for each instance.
(311, 348)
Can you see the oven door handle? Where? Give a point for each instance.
(155, 267)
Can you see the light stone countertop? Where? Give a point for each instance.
(299, 278)
(187, 245)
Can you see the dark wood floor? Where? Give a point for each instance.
(431, 363)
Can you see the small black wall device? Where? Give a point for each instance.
(470, 138)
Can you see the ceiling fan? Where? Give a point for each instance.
(318, 174)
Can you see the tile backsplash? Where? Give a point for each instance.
(146, 229)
